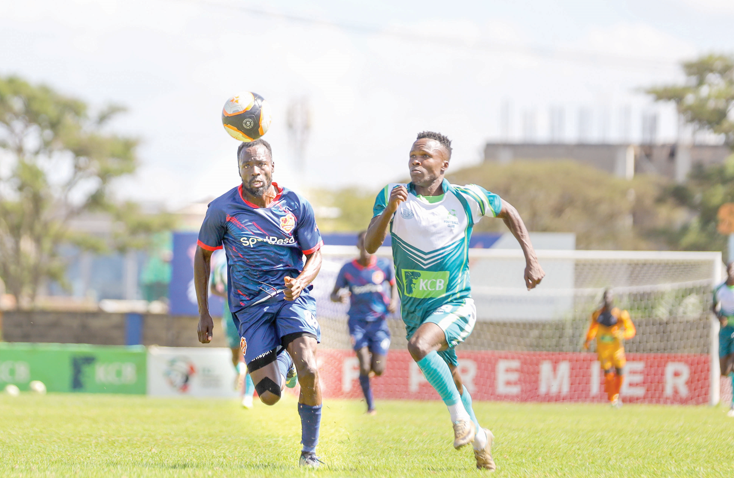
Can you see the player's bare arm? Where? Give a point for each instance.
(394, 298)
(336, 296)
(533, 272)
(377, 231)
(294, 287)
(202, 266)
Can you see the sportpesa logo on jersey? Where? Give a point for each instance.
(425, 284)
(272, 240)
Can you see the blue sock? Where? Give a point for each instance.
(249, 386)
(310, 424)
(466, 400)
(364, 382)
(284, 363)
(439, 376)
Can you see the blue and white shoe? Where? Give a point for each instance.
(309, 460)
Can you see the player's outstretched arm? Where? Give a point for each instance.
(377, 231)
(294, 287)
(533, 272)
(394, 298)
(202, 266)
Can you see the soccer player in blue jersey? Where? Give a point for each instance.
(430, 221)
(266, 231)
(366, 278)
(723, 307)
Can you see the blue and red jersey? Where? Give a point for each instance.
(369, 297)
(263, 245)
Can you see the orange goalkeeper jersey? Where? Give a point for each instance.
(607, 327)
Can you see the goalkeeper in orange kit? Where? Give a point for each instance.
(611, 327)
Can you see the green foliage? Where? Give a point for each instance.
(59, 162)
(707, 96)
(85, 435)
(604, 211)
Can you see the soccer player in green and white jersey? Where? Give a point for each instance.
(723, 307)
(431, 222)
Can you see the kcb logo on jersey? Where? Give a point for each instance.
(288, 222)
(425, 284)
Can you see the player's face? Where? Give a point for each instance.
(428, 161)
(730, 272)
(608, 297)
(256, 170)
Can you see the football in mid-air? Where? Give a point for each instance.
(246, 116)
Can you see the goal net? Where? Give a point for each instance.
(527, 346)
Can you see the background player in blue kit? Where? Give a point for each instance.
(266, 231)
(365, 277)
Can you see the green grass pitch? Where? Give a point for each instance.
(115, 436)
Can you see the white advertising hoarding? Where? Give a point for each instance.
(191, 372)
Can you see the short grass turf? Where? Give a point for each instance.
(111, 436)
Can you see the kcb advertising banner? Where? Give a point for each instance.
(74, 367)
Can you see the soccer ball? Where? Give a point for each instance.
(246, 117)
(12, 390)
(38, 387)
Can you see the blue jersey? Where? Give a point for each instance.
(263, 245)
(369, 299)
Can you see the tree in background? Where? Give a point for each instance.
(58, 161)
(706, 101)
(605, 212)
(706, 98)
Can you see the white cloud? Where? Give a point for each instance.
(721, 7)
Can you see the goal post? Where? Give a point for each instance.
(527, 345)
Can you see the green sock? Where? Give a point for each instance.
(438, 374)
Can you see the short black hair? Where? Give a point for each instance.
(257, 142)
(438, 137)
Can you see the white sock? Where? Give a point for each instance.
(458, 412)
(480, 439)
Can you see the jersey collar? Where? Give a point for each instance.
(373, 261)
(278, 190)
(444, 186)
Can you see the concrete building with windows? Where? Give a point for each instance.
(624, 160)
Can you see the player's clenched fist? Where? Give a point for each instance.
(398, 195)
(205, 328)
(533, 274)
(293, 288)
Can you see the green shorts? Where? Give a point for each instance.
(726, 339)
(457, 320)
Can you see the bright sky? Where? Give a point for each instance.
(375, 73)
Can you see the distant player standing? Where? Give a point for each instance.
(218, 287)
(723, 307)
(365, 277)
(611, 327)
(266, 231)
(431, 222)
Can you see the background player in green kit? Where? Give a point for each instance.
(724, 309)
(430, 222)
(218, 287)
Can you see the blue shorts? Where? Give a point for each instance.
(264, 325)
(726, 339)
(375, 335)
(457, 320)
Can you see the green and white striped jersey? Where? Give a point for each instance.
(430, 244)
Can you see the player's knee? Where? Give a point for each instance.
(308, 375)
(269, 398)
(364, 369)
(418, 348)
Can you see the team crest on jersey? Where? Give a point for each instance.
(288, 222)
(405, 212)
(378, 277)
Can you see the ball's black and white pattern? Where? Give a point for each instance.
(246, 117)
